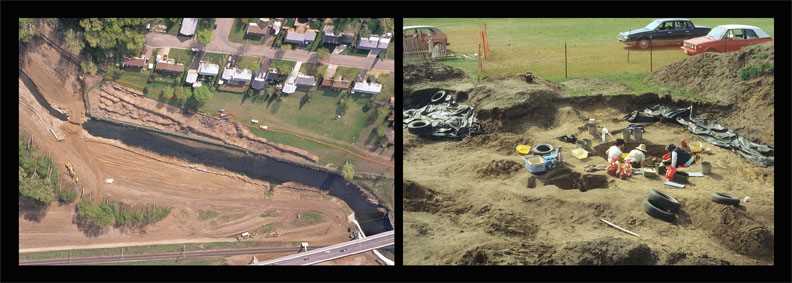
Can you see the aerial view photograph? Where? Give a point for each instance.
(588, 141)
(206, 141)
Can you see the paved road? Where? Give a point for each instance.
(335, 251)
(161, 256)
(221, 44)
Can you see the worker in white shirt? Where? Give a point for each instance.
(615, 151)
(637, 156)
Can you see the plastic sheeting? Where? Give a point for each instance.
(711, 132)
(442, 117)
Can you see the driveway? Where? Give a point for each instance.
(221, 44)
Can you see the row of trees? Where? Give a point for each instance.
(39, 177)
(189, 99)
(101, 215)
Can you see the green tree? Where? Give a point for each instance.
(348, 170)
(93, 213)
(26, 29)
(205, 36)
(167, 93)
(179, 96)
(74, 41)
(200, 96)
(88, 67)
(67, 195)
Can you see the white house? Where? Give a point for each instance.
(188, 26)
(364, 87)
(374, 42)
(208, 69)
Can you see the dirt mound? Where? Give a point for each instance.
(503, 167)
(739, 232)
(606, 251)
(683, 258)
(731, 79)
(510, 223)
(415, 73)
(420, 198)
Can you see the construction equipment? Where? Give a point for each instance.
(245, 236)
(71, 171)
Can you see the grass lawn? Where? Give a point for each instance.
(326, 154)
(313, 69)
(174, 28)
(249, 62)
(183, 56)
(134, 79)
(537, 45)
(389, 53)
(347, 73)
(283, 66)
(216, 58)
(382, 188)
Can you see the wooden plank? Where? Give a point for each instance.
(620, 228)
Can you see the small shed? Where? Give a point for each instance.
(367, 88)
(257, 29)
(192, 76)
(208, 69)
(188, 26)
(134, 63)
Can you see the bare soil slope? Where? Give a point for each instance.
(716, 77)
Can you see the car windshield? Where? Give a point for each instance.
(717, 32)
(653, 25)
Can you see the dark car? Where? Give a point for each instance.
(662, 32)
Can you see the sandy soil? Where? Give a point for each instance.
(466, 204)
(144, 177)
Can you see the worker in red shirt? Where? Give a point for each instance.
(675, 158)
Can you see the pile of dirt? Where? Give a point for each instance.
(420, 198)
(510, 223)
(503, 143)
(740, 232)
(497, 168)
(717, 77)
(415, 73)
(606, 251)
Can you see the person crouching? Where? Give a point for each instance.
(676, 158)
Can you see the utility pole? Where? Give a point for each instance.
(651, 49)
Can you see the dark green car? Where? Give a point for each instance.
(662, 32)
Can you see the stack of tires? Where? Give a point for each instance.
(661, 206)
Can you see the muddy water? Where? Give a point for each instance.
(372, 217)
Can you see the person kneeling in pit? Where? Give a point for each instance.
(676, 158)
(617, 166)
(637, 156)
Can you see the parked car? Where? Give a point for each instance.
(726, 38)
(662, 32)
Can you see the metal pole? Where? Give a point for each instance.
(651, 48)
(566, 72)
(628, 55)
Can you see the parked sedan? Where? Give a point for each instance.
(726, 38)
(662, 32)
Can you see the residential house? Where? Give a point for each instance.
(301, 39)
(332, 38)
(192, 76)
(208, 69)
(236, 76)
(304, 82)
(169, 69)
(274, 76)
(134, 63)
(367, 88)
(337, 83)
(260, 81)
(188, 27)
(374, 42)
(257, 30)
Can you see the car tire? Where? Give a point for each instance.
(725, 199)
(542, 149)
(663, 201)
(643, 43)
(658, 213)
(438, 97)
(419, 127)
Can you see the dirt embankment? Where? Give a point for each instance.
(416, 73)
(717, 77)
(120, 103)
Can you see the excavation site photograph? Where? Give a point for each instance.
(624, 141)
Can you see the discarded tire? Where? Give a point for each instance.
(725, 199)
(419, 127)
(542, 149)
(663, 201)
(438, 97)
(658, 213)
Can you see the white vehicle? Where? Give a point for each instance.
(254, 121)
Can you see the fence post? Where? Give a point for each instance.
(566, 72)
(651, 49)
(628, 55)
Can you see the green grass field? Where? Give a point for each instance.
(134, 79)
(215, 58)
(326, 154)
(283, 66)
(137, 250)
(347, 73)
(183, 56)
(249, 62)
(537, 45)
